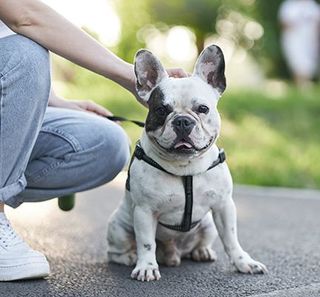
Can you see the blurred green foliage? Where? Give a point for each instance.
(201, 17)
(270, 140)
(273, 141)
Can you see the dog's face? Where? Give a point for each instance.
(183, 118)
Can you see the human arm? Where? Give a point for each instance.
(42, 24)
(37, 21)
(81, 105)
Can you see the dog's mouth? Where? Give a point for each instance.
(181, 146)
(184, 146)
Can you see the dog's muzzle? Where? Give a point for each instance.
(183, 126)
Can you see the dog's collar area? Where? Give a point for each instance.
(186, 224)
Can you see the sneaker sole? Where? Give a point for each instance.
(32, 270)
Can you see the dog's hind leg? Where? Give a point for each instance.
(121, 242)
(207, 235)
(168, 254)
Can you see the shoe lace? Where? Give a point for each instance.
(8, 236)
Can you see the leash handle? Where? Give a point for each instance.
(121, 119)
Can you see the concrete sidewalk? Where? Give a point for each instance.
(279, 227)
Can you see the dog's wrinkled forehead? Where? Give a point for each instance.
(184, 93)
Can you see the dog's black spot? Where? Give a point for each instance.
(209, 121)
(240, 258)
(150, 264)
(158, 111)
(147, 247)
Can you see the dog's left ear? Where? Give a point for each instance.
(149, 73)
(210, 67)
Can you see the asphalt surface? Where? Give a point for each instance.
(278, 227)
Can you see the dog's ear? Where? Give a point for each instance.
(210, 67)
(149, 73)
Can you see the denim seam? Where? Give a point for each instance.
(65, 136)
(3, 77)
(68, 138)
(13, 189)
(11, 69)
(2, 106)
(16, 65)
(45, 171)
(1, 88)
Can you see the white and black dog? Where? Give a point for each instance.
(179, 189)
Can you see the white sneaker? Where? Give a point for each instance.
(17, 259)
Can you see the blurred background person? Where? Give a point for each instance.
(300, 38)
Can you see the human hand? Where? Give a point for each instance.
(172, 72)
(177, 72)
(82, 105)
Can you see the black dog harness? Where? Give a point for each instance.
(186, 224)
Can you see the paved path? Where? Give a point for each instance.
(279, 227)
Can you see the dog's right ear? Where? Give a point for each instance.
(149, 73)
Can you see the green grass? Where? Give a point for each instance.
(271, 141)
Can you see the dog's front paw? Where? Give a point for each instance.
(146, 271)
(245, 264)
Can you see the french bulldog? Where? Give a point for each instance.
(180, 135)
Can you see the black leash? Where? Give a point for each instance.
(186, 224)
(121, 119)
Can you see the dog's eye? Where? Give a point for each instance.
(203, 109)
(161, 111)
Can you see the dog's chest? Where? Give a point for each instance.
(165, 194)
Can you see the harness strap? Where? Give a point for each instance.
(221, 158)
(141, 155)
(186, 224)
(122, 119)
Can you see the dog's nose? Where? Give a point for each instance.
(183, 124)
